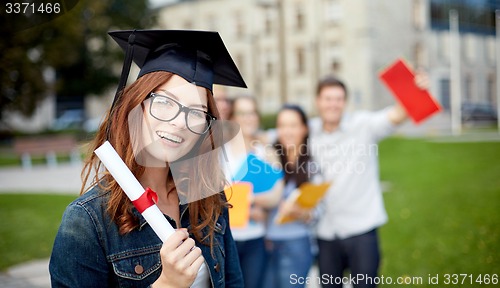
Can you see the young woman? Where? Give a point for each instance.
(250, 239)
(103, 240)
(290, 244)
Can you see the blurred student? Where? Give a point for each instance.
(289, 244)
(345, 147)
(250, 240)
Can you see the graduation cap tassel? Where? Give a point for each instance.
(123, 78)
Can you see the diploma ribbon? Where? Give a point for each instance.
(147, 199)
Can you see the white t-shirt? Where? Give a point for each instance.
(348, 157)
(203, 278)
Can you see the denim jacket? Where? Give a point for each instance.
(89, 251)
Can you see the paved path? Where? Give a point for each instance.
(32, 274)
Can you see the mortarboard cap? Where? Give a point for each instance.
(199, 57)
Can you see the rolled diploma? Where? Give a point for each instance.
(133, 189)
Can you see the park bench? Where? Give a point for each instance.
(47, 146)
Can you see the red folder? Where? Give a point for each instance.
(419, 104)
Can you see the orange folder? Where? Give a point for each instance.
(238, 195)
(419, 104)
(307, 196)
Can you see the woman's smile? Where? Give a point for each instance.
(170, 138)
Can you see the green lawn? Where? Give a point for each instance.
(29, 225)
(443, 204)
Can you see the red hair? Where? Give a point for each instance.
(202, 213)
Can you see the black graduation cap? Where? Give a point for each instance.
(199, 57)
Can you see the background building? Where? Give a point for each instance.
(282, 48)
(353, 39)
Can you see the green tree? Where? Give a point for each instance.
(75, 45)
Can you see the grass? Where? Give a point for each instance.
(443, 205)
(29, 225)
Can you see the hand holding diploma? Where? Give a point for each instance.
(179, 262)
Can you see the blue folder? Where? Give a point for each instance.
(262, 175)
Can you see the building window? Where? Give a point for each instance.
(468, 89)
(269, 68)
(333, 11)
(444, 46)
(299, 17)
(335, 67)
(490, 50)
(268, 22)
(418, 55)
(301, 61)
(469, 48)
(444, 89)
(491, 89)
(333, 54)
(268, 64)
(239, 25)
(418, 14)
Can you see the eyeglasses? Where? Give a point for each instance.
(165, 108)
